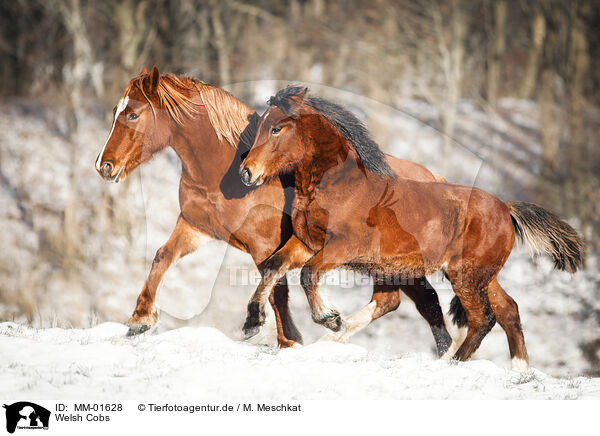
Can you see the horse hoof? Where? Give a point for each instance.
(137, 329)
(250, 332)
(335, 322)
(288, 344)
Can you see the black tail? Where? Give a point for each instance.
(544, 231)
(458, 313)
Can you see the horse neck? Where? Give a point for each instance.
(204, 157)
(326, 147)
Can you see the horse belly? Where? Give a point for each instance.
(405, 266)
(394, 250)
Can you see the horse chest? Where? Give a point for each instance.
(310, 222)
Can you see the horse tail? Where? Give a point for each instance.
(544, 231)
(458, 313)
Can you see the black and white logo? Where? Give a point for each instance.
(26, 415)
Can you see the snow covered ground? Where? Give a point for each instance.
(188, 363)
(122, 226)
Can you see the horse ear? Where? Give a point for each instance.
(298, 99)
(151, 82)
(302, 94)
(144, 71)
(154, 78)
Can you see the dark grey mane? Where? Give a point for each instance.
(349, 126)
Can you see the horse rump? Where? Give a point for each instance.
(541, 230)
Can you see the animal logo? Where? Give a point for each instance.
(24, 414)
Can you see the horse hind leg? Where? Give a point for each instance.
(507, 314)
(287, 333)
(481, 321)
(472, 292)
(385, 299)
(427, 303)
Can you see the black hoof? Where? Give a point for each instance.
(250, 332)
(252, 327)
(333, 322)
(138, 329)
(254, 320)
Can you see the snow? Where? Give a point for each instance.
(101, 363)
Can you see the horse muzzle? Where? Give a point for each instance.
(106, 171)
(248, 178)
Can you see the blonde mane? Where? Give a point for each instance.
(228, 116)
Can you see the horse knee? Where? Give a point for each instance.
(161, 254)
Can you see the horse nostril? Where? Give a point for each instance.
(107, 169)
(246, 176)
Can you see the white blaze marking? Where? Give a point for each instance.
(120, 108)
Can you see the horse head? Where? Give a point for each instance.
(138, 129)
(277, 144)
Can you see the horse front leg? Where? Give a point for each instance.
(292, 255)
(184, 240)
(310, 276)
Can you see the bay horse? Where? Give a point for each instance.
(351, 210)
(210, 130)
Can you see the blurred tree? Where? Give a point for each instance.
(538, 34)
(498, 47)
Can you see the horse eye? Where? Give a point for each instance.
(275, 130)
(132, 116)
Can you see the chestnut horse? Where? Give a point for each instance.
(210, 130)
(351, 210)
